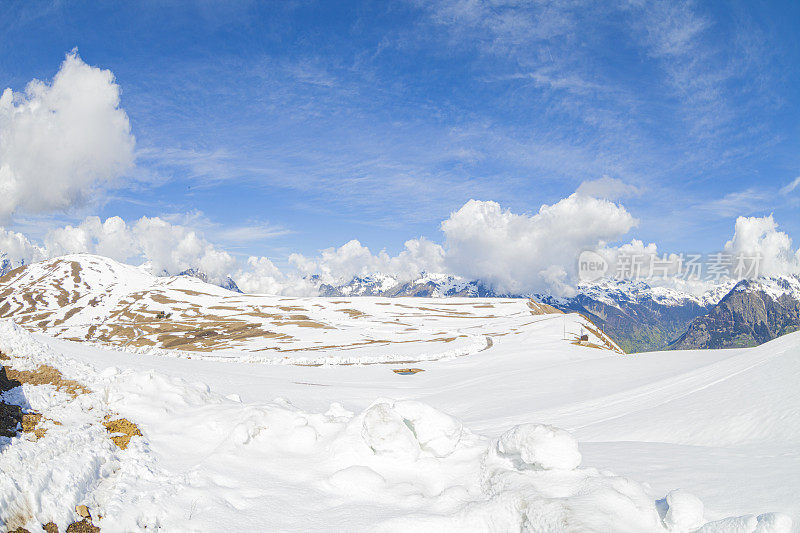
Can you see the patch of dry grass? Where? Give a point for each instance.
(122, 431)
(46, 375)
(353, 313)
(538, 308)
(30, 423)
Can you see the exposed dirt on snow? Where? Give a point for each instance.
(122, 430)
(46, 375)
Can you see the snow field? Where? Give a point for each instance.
(208, 462)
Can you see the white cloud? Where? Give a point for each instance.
(608, 188)
(263, 277)
(513, 253)
(62, 142)
(172, 249)
(338, 265)
(521, 253)
(169, 248)
(760, 236)
(736, 203)
(789, 187)
(17, 249)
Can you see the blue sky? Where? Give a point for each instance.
(294, 126)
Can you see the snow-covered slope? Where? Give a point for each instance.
(459, 446)
(91, 298)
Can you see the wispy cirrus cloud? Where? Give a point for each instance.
(791, 186)
(737, 203)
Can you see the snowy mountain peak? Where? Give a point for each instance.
(775, 286)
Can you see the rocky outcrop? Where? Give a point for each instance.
(754, 312)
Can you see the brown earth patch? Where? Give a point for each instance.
(47, 375)
(161, 299)
(30, 421)
(84, 526)
(76, 272)
(449, 312)
(607, 343)
(12, 274)
(538, 308)
(304, 324)
(193, 293)
(122, 430)
(406, 371)
(69, 314)
(353, 313)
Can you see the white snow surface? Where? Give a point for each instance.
(537, 434)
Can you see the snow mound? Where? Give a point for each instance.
(436, 432)
(684, 511)
(540, 447)
(386, 433)
(404, 429)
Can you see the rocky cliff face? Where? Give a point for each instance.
(754, 312)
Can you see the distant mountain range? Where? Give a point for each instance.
(89, 298)
(639, 317)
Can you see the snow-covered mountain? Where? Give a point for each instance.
(92, 298)
(637, 315)
(640, 317)
(427, 285)
(753, 312)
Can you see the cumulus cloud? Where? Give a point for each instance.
(168, 248)
(513, 253)
(636, 260)
(759, 236)
(520, 253)
(18, 250)
(61, 142)
(608, 188)
(336, 265)
(263, 277)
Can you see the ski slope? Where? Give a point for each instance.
(236, 445)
